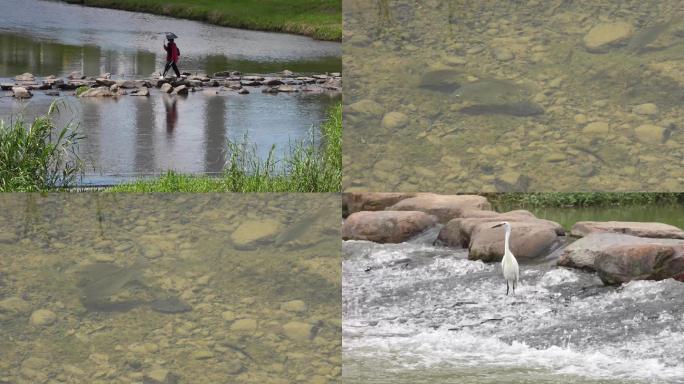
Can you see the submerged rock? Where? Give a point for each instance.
(444, 207)
(365, 108)
(170, 305)
(371, 201)
(650, 134)
(43, 317)
(394, 120)
(606, 35)
(640, 229)
(160, 376)
(521, 109)
(444, 80)
(253, 230)
(386, 226)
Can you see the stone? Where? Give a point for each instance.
(645, 109)
(25, 77)
(244, 326)
(640, 229)
(364, 108)
(386, 226)
(370, 201)
(142, 91)
(202, 354)
(98, 92)
(43, 317)
(6, 86)
(21, 93)
(274, 82)
(529, 240)
(166, 88)
(287, 73)
(650, 134)
(180, 90)
(394, 120)
(52, 93)
(607, 35)
(75, 75)
(582, 253)
(623, 263)
(297, 330)
(14, 306)
(297, 306)
(596, 128)
(114, 88)
(287, 88)
(243, 91)
(254, 230)
(105, 82)
(228, 315)
(160, 376)
(444, 207)
(502, 54)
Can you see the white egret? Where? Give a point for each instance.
(509, 264)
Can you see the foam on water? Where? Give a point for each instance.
(413, 307)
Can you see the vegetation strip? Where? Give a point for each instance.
(582, 199)
(320, 19)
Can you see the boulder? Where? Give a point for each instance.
(21, 93)
(394, 120)
(180, 90)
(251, 231)
(529, 240)
(105, 82)
(640, 229)
(444, 207)
(7, 86)
(606, 35)
(75, 75)
(274, 82)
(166, 88)
(651, 261)
(364, 109)
(25, 77)
(287, 73)
(457, 232)
(287, 88)
(650, 133)
(142, 91)
(386, 226)
(98, 92)
(582, 253)
(250, 83)
(243, 91)
(370, 201)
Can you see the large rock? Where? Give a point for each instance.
(606, 35)
(253, 230)
(444, 207)
(142, 91)
(166, 88)
(43, 317)
(582, 253)
(371, 201)
(457, 232)
(104, 82)
(622, 263)
(529, 240)
(650, 133)
(98, 92)
(21, 93)
(364, 109)
(654, 230)
(25, 77)
(386, 226)
(394, 120)
(180, 90)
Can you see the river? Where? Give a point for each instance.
(128, 138)
(418, 313)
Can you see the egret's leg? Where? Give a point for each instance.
(513, 287)
(507, 287)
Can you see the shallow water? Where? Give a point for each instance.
(240, 327)
(435, 316)
(135, 137)
(487, 53)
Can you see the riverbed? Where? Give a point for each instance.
(418, 313)
(133, 137)
(206, 288)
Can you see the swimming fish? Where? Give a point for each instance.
(298, 228)
(647, 35)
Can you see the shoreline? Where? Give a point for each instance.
(311, 24)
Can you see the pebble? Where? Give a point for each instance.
(603, 36)
(43, 317)
(650, 134)
(645, 109)
(596, 128)
(244, 326)
(228, 315)
(202, 354)
(14, 305)
(159, 376)
(298, 330)
(253, 230)
(294, 306)
(502, 54)
(394, 120)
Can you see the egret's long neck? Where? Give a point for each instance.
(508, 235)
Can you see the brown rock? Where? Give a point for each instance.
(444, 207)
(653, 230)
(622, 263)
(529, 240)
(386, 226)
(180, 90)
(370, 201)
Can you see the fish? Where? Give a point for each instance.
(440, 80)
(113, 279)
(493, 91)
(521, 109)
(647, 35)
(298, 228)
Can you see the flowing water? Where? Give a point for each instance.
(133, 136)
(213, 288)
(418, 313)
(491, 96)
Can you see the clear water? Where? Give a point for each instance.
(187, 247)
(415, 313)
(409, 57)
(135, 137)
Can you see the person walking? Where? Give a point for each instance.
(172, 55)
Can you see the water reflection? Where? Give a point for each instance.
(130, 288)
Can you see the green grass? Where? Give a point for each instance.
(320, 19)
(306, 168)
(37, 156)
(582, 199)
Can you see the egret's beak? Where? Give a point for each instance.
(498, 225)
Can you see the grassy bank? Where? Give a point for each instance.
(306, 168)
(320, 19)
(582, 199)
(38, 156)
